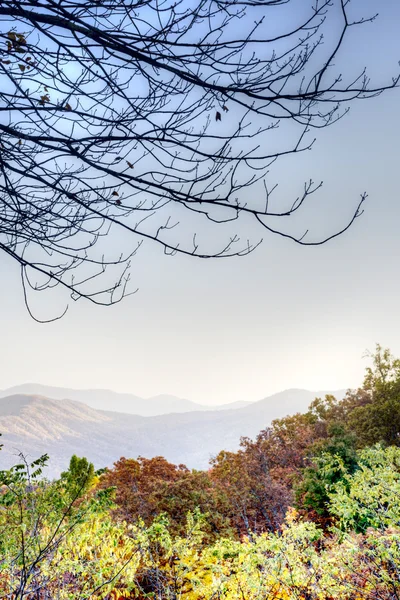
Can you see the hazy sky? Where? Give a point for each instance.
(240, 329)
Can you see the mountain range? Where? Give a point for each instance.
(35, 424)
(117, 402)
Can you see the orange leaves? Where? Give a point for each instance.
(15, 42)
(118, 201)
(43, 99)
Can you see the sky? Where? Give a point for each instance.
(243, 328)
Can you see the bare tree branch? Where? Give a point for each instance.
(158, 118)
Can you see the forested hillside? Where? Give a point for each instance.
(308, 510)
(36, 424)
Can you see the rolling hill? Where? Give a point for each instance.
(117, 402)
(36, 424)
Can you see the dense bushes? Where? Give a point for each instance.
(308, 510)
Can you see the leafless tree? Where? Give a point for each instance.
(154, 117)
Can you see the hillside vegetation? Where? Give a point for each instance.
(308, 510)
(35, 424)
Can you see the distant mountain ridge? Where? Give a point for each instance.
(118, 402)
(36, 425)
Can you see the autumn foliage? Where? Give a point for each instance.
(309, 510)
